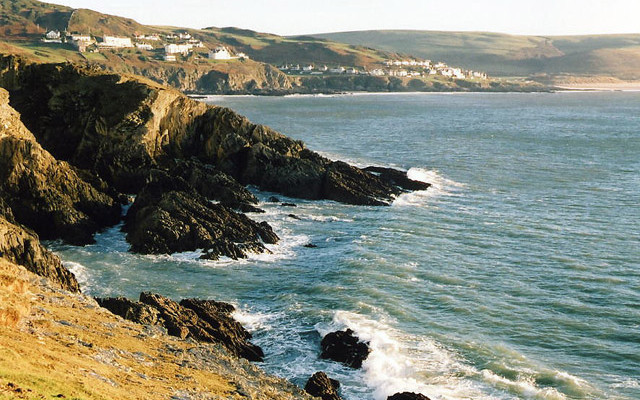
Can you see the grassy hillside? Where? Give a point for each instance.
(20, 19)
(512, 55)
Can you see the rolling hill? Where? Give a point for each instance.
(616, 56)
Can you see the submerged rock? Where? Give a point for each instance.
(320, 385)
(408, 396)
(344, 347)
(168, 216)
(398, 178)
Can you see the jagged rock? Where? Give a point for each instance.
(398, 178)
(320, 385)
(21, 246)
(344, 347)
(244, 207)
(348, 184)
(288, 205)
(310, 246)
(293, 216)
(274, 199)
(203, 320)
(225, 330)
(132, 310)
(408, 396)
(45, 194)
(168, 216)
(120, 127)
(212, 183)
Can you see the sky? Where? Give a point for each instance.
(295, 17)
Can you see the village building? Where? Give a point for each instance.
(170, 57)
(184, 36)
(144, 46)
(173, 48)
(220, 53)
(338, 70)
(116, 42)
(81, 42)
(307, 68)
(377, 72)
(242, 56)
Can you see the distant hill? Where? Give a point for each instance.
(498, 54)
(20, 19)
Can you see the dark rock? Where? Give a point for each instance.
(320, 385)
(204, 321)
(168, 216)
(310, 246)
(293, 216)
(351, 185)
(398, 178)
(225, 329)
(408, 396)
(288, 205)
(273, 199)
(344, 347)
(244, 207)
(213, 184)
(132, 310)
(21, 246)
(44, 194)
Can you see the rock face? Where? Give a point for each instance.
(408, 396)
(43, 193)
(344, 347)
(121, 127)
(22, 247)
(203, 320)
(320, 385)
(398, 178)
(168, 216)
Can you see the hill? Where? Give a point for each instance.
(498, 54)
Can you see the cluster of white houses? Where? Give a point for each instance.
(181, 44)
(414, 69)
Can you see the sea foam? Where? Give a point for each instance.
(440, 186)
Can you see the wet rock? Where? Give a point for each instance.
(310, 246)
(21, 246)
(225, 329)
(244, 207)
(132, 310)
(293, 216)
(408, 396)
(351, 185)
(213, 184)
(288, 205)
(168, 216)
(398, 178)
(273, 199)
(320, 385)
(344, 347)
(204, 321)
(43, 193)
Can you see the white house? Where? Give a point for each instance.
(81, 42)
(170, 57)
(51, 35)
(173, 48)
(184, 36)
(339, 70)
(242, 56)
(307, 68)
(116, 42)
(220, 53)
(377, 72)
(144, 46)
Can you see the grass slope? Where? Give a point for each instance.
(512, 55)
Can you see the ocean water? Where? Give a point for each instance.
(516, 276)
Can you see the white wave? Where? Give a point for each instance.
(524, 386)
(440, 186)
(401, 362)
(253, 321)
(80, 272)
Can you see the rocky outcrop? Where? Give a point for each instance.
(22, 247)
(168, 216)
(203, 320)
(320, 385)
(397, 178)
(408, 396)
(43, 193)
(120, 127)
(344, 347)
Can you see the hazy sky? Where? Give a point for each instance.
(289, 17)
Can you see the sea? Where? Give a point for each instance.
(515, 276)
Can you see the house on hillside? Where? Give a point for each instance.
(170, 57)
(220, 53)
(144, 46)
(52, 37)
(81, 42)
(116, 42)
(173, 48)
